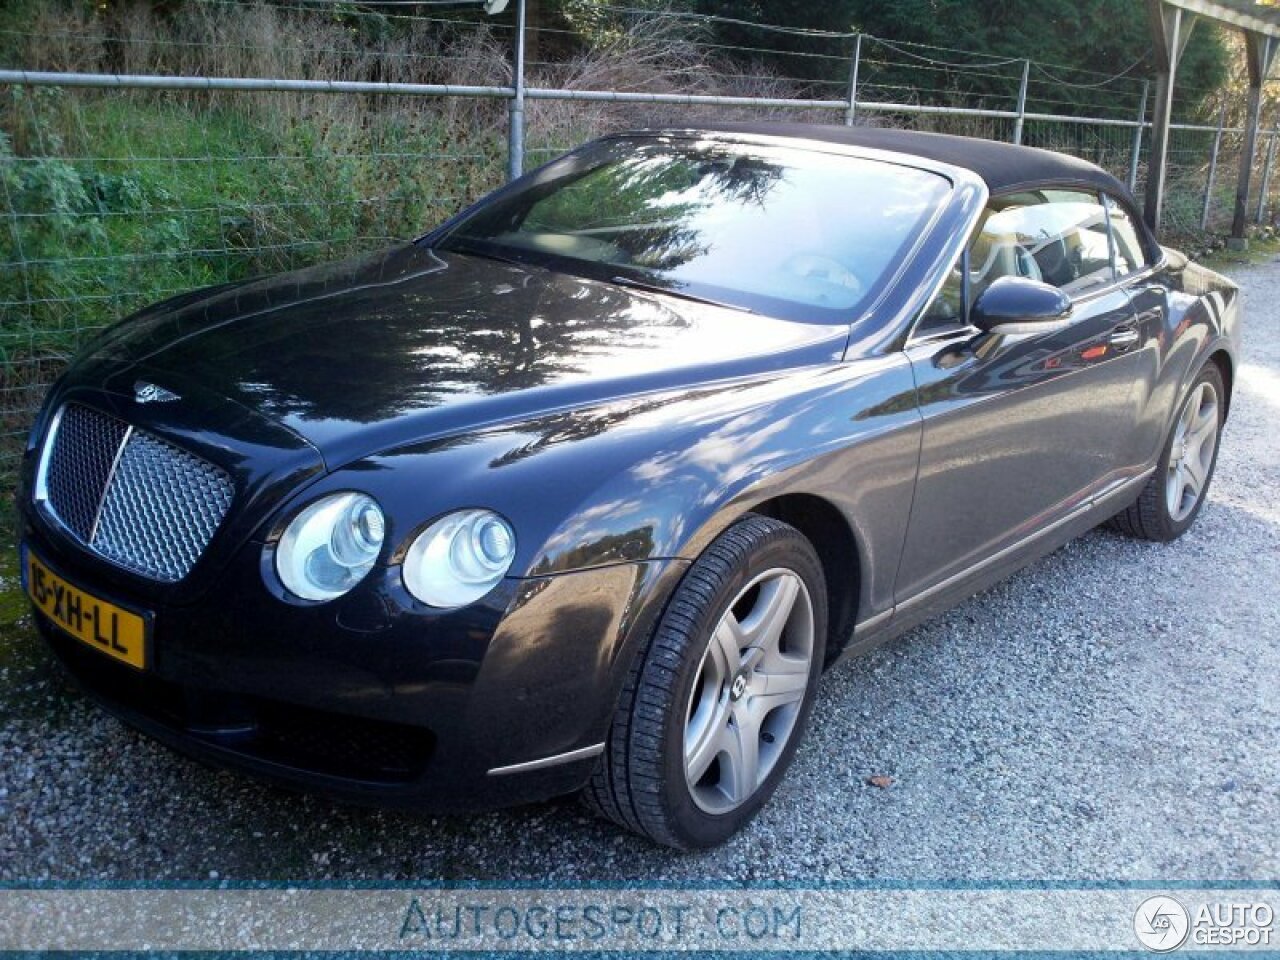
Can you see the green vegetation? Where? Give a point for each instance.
(118, 201)
(121, 200)
(1103, 36)
(1264, 246)
(112, 200)
(17, 647)
(13, 605)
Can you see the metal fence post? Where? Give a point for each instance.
(515, 116)
(1022, 102)
(1266, 179)
(1213, 169)
(1137, 138)
(851, 113)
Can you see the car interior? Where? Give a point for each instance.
(1059, 237)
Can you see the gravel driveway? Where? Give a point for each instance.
(1113, 712)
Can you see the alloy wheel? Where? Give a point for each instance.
(1191, 455)
(751, 684)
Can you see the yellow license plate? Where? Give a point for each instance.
(113, 630)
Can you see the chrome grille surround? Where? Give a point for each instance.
(129, 496)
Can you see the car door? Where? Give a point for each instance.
(1018, 430)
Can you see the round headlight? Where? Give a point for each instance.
(459, 558)
(329, 547)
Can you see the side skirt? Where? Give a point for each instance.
(945, 595)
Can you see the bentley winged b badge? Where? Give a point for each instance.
(144, 392)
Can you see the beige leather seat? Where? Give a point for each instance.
(999, 255)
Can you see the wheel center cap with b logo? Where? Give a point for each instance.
(738, 687)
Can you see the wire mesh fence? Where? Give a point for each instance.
(152, 155)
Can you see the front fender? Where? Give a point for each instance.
(848, 433)
(659, 476)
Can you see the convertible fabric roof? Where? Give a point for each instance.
(1003, 166)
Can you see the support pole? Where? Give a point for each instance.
(1213, 169)
(1022, 102)
(1259, 51)
(1169, 35)
(1265, 192)
(1153, 206)
(1136, 153)
(851, 114)
(515, 116)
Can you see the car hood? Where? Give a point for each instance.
(411, 343)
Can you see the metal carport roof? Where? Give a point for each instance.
(1171, 23)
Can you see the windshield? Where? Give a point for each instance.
(787, 232)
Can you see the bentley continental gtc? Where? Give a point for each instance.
(583, 490)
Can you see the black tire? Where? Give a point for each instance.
(640, 782)
(1149, 517)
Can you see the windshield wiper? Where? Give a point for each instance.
(683, 295)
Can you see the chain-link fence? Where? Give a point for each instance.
(158, 152)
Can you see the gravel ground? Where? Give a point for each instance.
(1112, 712)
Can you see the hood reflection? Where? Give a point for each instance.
(333, 350)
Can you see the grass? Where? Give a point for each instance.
(1263, 246)
(119, 201)
(13, 604)
(110, 200)
(16, 636)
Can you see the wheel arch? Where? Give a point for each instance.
(1221, 359)
(822, 523)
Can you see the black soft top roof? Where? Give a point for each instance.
(1002, 166)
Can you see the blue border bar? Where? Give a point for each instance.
(427, 884)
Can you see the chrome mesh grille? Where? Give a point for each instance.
(79, 466)
(161, 509)
(130, 496)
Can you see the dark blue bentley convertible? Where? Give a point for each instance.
(582, 491)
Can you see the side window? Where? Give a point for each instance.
(1060, 237)
(1130, 255)
(1057, 236)
(948, 310)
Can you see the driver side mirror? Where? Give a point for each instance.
(1019, 305)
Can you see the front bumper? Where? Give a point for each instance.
(374, 698)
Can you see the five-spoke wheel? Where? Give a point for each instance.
(1195, 443)
(746, 700)
(1172, 498)
(713, 709)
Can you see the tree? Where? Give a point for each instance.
(1102, 36)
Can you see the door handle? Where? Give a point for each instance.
(1126, 338)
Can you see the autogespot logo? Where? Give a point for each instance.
(1161, 924)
